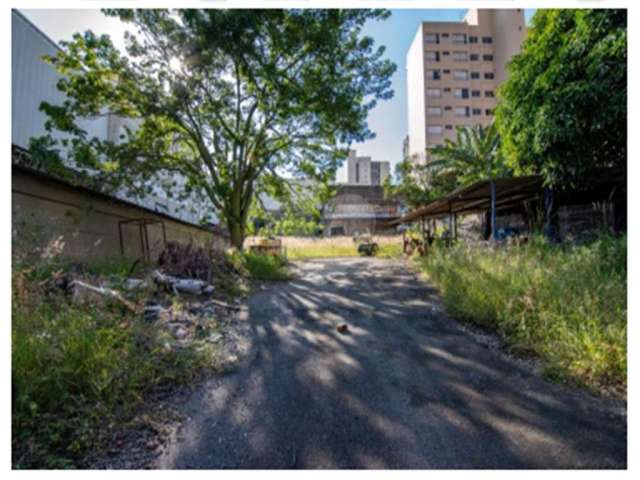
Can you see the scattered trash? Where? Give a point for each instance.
(83, 292)
(193, 261)
(343, 329)
(135, 284)
(188, 285)
(215, 337)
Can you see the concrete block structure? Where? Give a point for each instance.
(453, 71)
(360, 209)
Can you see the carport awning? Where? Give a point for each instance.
(510, 192)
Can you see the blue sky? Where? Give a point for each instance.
(388, 120)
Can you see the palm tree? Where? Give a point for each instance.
(474, 155)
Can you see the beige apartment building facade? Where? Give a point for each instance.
(453, 71)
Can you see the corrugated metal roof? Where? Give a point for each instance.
(477, 198)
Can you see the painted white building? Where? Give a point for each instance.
(34, 81)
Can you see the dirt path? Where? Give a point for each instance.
(407, 388)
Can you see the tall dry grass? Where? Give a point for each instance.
(565, 304)
(300, 248)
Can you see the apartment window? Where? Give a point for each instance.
(461, 93)
(474, 57)
(434, 129)
(460, 75)
(488, 76)
(432, 56)
(431, 38)
(459, 38)
(477, 111)
(488, 112)
(475, 93)
(357, 173)
(475, 75)
(445, 35)
(488, 93)
(445, 53)
(446, 72)
(433, 74)
(434, 111)
(459, 56)
(447, 89)
(487, 58)
(448, 127)
(447, 109)
(473, 39)
(434, 92)
(462, 111)
(487, 40)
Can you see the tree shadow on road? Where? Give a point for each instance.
(405, 388)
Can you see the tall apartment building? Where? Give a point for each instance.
(453, 70)
(364, 171)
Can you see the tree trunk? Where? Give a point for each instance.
(236, 220)
(236, 233)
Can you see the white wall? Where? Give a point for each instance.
(34, 81)
(416, 97)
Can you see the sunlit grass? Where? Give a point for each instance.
(565, 304)
(301, 248)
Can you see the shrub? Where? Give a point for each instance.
(263, 267)
(563, 303)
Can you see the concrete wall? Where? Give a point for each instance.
(34, 81)
(44, 209)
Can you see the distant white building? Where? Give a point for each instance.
(364, 171)
(34, 81)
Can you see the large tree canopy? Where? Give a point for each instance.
(231, 100)
(563, 110)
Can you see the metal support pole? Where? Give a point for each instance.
(455, 226)
(121, 240)
(494, 229)
(450, 238)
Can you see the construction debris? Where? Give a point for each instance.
(135, 284)
(187, 285)
(82, 292)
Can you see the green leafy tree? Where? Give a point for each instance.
(415, 184)
(231, 100)
(303, 206)
(563, 109)
(474, 156)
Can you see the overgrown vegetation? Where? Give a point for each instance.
(563, 108)
(565, 304)
(81, 369)
(262, 267)
(78, 370)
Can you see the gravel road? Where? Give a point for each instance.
(407, 387)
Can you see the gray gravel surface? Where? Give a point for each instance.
(407, 387)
